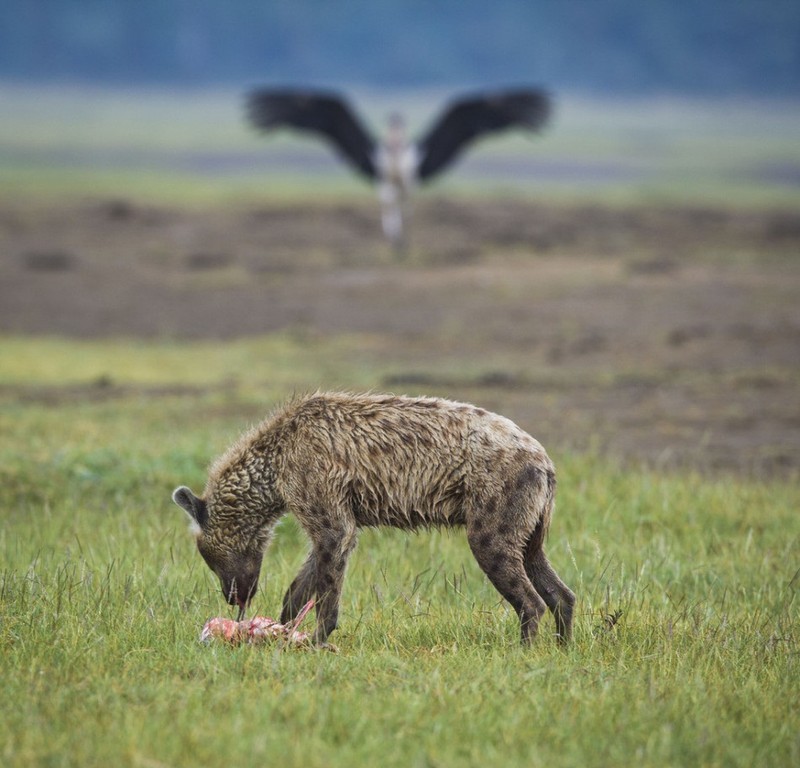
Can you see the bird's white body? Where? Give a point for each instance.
(397, 163)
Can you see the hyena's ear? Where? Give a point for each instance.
(189, 503)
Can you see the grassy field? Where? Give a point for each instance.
(686, 638)
(687, 634)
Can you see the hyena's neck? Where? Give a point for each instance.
(261, 501)
(246, 490)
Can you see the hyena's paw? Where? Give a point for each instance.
(326, 646)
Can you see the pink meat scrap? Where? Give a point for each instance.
(259, 629)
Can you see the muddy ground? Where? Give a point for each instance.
(667, 336)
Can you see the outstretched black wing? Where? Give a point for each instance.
(466, 119)
(324, 113)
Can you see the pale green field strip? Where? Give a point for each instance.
(194, 148)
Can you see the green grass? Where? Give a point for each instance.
(102, 598)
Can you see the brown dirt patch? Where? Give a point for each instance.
(665, 335)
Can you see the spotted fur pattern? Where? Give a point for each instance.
(340, 462)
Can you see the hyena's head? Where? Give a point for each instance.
(233, 553)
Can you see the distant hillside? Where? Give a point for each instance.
(623, 46)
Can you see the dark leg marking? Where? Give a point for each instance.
(301, 590)
(332, 548)
(503, 563)
(558, 596)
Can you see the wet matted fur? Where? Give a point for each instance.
(340, 462)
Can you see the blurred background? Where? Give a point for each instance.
(602, 282)
(668, 100)
(674, 99)
(608, 47)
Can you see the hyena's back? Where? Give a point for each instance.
(409, 462)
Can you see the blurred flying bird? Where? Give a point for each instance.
(397, 163)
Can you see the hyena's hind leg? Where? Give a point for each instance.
(302, 589)
(501, 559)
(559, 597)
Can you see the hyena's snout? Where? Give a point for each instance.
(239, 589)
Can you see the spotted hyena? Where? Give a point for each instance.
(341, 462)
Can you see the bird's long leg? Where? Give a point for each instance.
(392, 214)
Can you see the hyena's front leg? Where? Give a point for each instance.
(332, 547)
(301, 590)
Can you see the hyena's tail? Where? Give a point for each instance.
(547, 496)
